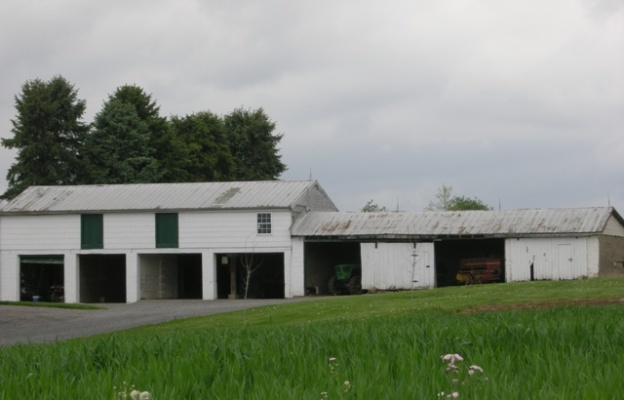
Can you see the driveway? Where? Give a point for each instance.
(19, 324)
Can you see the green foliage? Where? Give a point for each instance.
(461, 203)
(131, 143)
(202, 149)
(123, 146)
(452, 300)
(48, 134)
(445, 201)
(160, 140)
(387, 346)
(253, 145)
(146, 108)
(119, 148)
(371, 206)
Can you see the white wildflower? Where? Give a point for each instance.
(476, 368)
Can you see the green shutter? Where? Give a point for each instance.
(167, 230)
(92, 231)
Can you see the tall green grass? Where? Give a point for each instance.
(561, 352)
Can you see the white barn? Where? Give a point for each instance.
(123, 243)
(406, 250)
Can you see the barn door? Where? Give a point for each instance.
(564, 262)
(424, 265)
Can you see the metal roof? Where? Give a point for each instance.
(454, 223)
(160, 196)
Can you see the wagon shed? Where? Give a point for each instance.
(123, 243)
(405, 250)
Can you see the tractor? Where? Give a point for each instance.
(346, 279)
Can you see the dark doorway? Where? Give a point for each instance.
(451, 253)
(42, 278)
(102, 278)
(170, 276)
(250, 275)
(190, 276)
(320, 259)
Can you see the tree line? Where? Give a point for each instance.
(129, 141)
(444, 201)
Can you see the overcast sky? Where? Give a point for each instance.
(519, 103)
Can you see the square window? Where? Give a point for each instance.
(264, 223)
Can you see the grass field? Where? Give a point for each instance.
(536, 340)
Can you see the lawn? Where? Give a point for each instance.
(534, 340)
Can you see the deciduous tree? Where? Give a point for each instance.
(202, 151)
(445, 201)
(442, 199)
(253, 145)
(371, 206)
(462, 203)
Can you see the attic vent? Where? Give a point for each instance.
(226, 196)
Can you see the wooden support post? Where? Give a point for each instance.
(232, 260)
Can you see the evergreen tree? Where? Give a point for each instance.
(48, 134)
(128, 138)
(118, 150)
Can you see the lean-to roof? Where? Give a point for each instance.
(165, 196)
(505, 223)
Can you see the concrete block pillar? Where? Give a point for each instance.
(133, 280)
(9, 276)
(209, 276)
(71, 278)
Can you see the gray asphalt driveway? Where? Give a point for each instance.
(20, 324)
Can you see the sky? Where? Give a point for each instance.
(519, 103)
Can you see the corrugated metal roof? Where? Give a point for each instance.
(454, 223)
(159, 196)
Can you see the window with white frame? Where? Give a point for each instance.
(264, 222)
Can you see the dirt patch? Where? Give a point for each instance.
(607, 301)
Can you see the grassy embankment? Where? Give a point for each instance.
(538, 340)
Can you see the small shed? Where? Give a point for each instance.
(404, 250)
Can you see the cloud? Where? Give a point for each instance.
(519, 101)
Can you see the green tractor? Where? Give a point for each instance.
(347, 279)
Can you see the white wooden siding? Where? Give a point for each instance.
(593, 256)
(552, 259)
(614, 228)
(40, 232)
(233, 230)
(397, 265)
(136, 231)
(125, 231)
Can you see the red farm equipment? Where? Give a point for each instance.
(479, 270)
